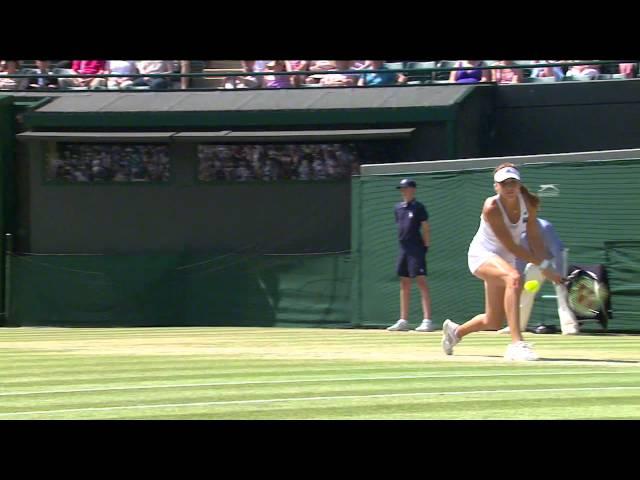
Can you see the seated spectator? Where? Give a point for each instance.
(66, 64)
(544, 72)
(85, 67)
(627, 69)
(319, 66)
(43, 82)
(374, 79)
(185, 67)
(153, 67)
(473, 73)
(297, 66)
(260, 65)
(339, 79)
(277, 81)
(505, 76)
(12, 67)
(322, 65)
(249, 81)
(590, 71)
(122, 67)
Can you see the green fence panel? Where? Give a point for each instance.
(595, 203)
(187, 289)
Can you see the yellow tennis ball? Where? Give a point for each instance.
(532, 286)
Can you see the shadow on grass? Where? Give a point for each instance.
(545, 359)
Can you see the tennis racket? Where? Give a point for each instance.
(587, 295)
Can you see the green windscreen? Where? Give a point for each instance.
(594, 207)
(169, 290)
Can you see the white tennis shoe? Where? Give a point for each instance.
(449, 337)
(504, 330)
(400, 326)
(520, 351)
(425, 326)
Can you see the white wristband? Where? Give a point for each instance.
(544, 264)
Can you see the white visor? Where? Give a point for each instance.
(506, 173)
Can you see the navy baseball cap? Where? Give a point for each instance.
(407, 182)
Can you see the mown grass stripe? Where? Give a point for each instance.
(324, 398)
(304, 380)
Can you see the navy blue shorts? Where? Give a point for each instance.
(412, 263)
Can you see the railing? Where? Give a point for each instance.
(412, 72)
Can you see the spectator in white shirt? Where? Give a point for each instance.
(123, 67)
(153, 67)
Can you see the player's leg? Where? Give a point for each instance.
(402, 269)
(498, 275)
(496, 271)
(527, 298)
(492, 317)
(494, 314)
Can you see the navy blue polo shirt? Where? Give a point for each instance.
(409, 217)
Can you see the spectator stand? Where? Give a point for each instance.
(211, 75)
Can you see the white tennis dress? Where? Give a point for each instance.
(485, 244)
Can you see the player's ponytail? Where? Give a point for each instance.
(531, 198)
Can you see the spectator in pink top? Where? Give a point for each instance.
(627, 69)
(86, 67)
(506, 75)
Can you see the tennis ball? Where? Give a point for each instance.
(532, 286)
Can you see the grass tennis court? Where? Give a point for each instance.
(276, 373)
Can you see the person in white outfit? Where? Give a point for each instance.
(557, 254)
(492, 258)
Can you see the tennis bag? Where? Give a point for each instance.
(590, 274)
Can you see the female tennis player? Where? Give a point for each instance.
(492, 258)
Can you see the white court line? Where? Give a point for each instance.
(303, 380)
(307, 399)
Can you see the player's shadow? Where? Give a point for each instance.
(590, 360)
(555, 359)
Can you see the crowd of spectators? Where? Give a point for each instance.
(243, 163)
(478, 71)
(133, 162)
(323, 73)
(97, 163)
(44, 73)
(313, 73)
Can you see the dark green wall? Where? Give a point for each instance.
(288, 217)
(7, 198)
(566, 117)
